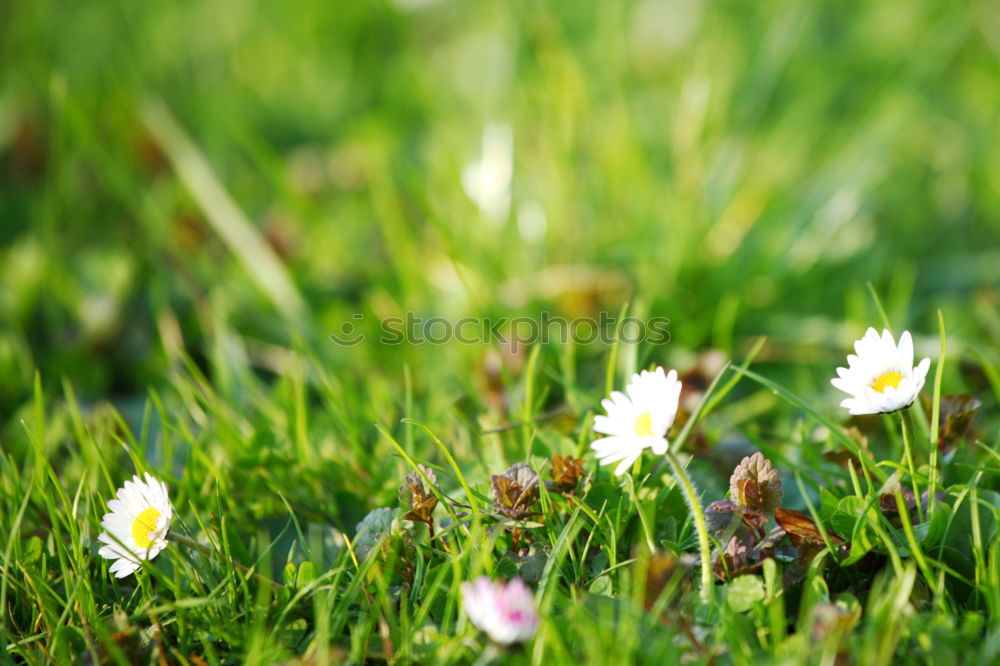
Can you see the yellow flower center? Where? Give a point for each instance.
(143, 526)
(644, 425)
(888, 379)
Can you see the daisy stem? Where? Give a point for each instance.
(182, 540)
(907, 420)
(704, 545)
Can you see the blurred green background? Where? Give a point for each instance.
(239, 178)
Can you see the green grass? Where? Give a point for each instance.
(195, 196)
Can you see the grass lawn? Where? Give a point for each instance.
(352, 280)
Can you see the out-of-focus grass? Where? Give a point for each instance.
(741, 168)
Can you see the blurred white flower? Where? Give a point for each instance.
(638, 420)
(531, 222)
(504, 611)
(881, 378)
(661, 27)
(487, 180)
(136, 527)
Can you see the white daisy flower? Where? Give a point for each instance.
(505, 611)
(136, 527)
(638, 420)
(881, 378)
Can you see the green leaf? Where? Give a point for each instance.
(288, 575)
(853, 520)
(600, 493)
(929, 532)
(744, 592)
(32, 551)
(601, 585)
(532, 567)
(827, 504)
(814, 592)
(307, 574)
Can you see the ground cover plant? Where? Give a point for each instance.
(499, 332)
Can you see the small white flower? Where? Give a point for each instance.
(136, 527)
(505, 611)
(881, 378)
(637, 420)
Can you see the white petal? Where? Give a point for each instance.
(607, 445)
(892, 399)
(906, 350)
(920, 373)
(614, 456)
(620, 400)
(842, 384)
(867, 343)
(114, 552)
(606, 425)
(635, 389)
(858, 406)
(886, 341)
(123, 568)
(625, 464)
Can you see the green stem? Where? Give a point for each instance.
(907, 420)
(704, 545)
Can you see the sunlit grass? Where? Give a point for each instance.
(195, 196)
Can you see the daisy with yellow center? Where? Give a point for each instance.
(881, 378)
(136, 527)
(637, 419)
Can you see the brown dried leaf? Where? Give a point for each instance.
(515, 491)
(801, 528)
(957, 414)
(566, 473)
(416, 493)
(804, 534)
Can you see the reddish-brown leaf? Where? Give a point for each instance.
(802, 531)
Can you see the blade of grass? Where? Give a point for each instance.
(229, 221)
(936, 419)
(469, 495)
(834, 429)
(609, 374)
(878, 305)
